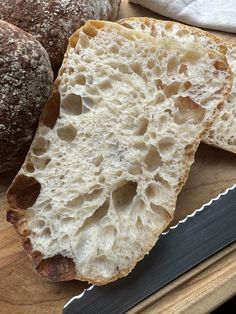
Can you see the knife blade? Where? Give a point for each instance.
(183, 246)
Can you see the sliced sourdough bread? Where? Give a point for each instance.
(223, 131)
(112, 150)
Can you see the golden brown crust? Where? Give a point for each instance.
(57, 268)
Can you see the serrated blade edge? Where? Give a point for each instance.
(199, 210)
(79, 296)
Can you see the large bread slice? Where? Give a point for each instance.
(223, 131)
(112, 150)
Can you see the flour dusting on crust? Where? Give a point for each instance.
(53, 22)
(25, 83)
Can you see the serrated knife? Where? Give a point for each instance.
(183, 246)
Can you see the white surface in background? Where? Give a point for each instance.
(214, 14)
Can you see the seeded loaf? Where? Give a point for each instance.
(53, 22)
(25, 83)
(223, 131)
(112, 150)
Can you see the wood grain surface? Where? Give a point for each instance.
(22, 291)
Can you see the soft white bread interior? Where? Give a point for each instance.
(223, 131)
(113, 149)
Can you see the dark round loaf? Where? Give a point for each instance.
(53, 22)
(25, 83)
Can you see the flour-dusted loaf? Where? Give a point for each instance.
(112, 150)
(25, 83)
(223, 132)
(53, 22)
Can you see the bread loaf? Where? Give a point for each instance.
(223, 132)
(25, 82)
(112, 150)
(53, 22)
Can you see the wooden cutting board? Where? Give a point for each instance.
(22, 291)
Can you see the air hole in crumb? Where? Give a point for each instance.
(138, 205)
(75, 202)
(171, 89)
(101, 179)
(115, 49)
(116, 77)
(162, 181)
(108, 235)
(139, 225)
(92, 91)
(81, 68)
(135, 168)
(29, 167)
(129, 36)
(40, 146)
(220, 66)
(168, 25)
(67, 133)
(143, 27)
(182, 32)
(83, 40)
(151, 191)
(72, 104)
(48, 207)
(140, 146)
(142, 126)
(67, 221)
(168, 111)
(70, 70)
(183, 68)
(162, 122)
(124, 68)
(153, 135)
(98, 160)
(225, 116)
(172, 64)
(37, 225)
(187, 85)
(80, 79)
(99, 52)
(105, 85)
(159, 84)
(166, 145)
(127, 25)
(159, 98)
(96, 217)
(136, 67)
(191, 56)
(91, 197)
(160, 211)
(117, 173)
(153, 159)
(41, 163)
(46, 232)
(188, 111)
(23, 192)
(157, 71)
(123, 196)
(151, 63)
(90, 29)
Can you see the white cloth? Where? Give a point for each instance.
(214, 14)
